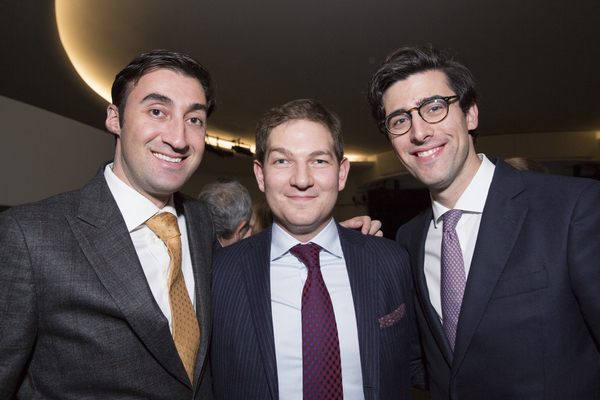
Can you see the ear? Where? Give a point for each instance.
(259, 174)
(343, 174)
(112, 120)
(472, 117)
(239, 230)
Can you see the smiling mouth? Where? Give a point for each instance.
(301, 198)
(167, 158)
(428, 152)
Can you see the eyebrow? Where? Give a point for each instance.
(197, 107)
(167, 100)
(158, 97)
(419, 103)
(321, 153)
(289, 153)
(279, 150)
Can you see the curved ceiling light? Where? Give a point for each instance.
(73, 35)
(85, 37)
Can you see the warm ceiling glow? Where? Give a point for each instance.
(222, 139)
(360, 158)
(74, 32)
(69, 30)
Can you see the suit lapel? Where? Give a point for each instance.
(417, 254)
(103, 237)
(498, 232)
(257, 275)
(200, 238)
(362, 273)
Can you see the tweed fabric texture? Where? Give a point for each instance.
(453, 275)
(322, 368)
(186, 331)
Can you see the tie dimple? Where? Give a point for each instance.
(186, 331)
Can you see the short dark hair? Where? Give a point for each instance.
(303, 109)
(526, 164)
(145, 63)
(407, 61)
(229, 204)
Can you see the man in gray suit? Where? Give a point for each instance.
(85, 307)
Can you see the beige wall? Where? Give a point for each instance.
(42, 153)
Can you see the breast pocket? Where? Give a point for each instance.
(525, 283)
(392, 318)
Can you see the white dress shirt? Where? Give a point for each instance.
(471, 202)
(288, 275)
(151, 250)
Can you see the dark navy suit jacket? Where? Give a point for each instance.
(243, 348)
(529, 326)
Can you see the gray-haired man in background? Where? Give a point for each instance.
(230, 205)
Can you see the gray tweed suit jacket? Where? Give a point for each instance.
(77, 317)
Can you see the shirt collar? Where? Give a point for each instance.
(473, 198)
(328, 239)
(135, 208)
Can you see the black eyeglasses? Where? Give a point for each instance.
(432, 112)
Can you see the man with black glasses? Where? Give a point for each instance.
(506, 263)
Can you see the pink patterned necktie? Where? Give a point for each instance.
(186, 331)
(322, 368)
(453, 275)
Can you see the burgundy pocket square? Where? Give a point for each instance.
(392, 317)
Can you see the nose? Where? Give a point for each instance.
(175, 134)
(301, 178)
(420, 130)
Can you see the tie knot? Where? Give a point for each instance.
(307, 253)
(165, 226)
(450, 219)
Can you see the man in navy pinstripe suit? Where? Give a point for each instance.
(257, 349)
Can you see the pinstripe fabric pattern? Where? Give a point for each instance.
(243, 348)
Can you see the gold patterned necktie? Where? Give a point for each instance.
(186, 331)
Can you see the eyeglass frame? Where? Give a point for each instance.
(447, 100)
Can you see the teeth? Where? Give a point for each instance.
(428, 152)
(167, 158)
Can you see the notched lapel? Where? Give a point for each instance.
(362, 273)
(102, 235)
(501, 224)
(200, 237)
(417, 259)
(257, 274)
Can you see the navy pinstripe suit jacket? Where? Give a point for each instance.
(243, 349)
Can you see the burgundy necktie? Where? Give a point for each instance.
(453, 275)
(322, 368)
